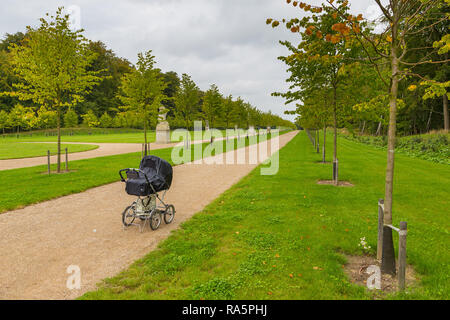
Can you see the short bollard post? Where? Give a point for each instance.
(380, 229)
(67, 160)
(402, 255)
(48, 161)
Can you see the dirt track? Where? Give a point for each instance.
(39, 242)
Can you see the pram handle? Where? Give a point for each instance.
(129, 169)
(137, 170)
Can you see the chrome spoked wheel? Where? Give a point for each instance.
(128, 216)
(169, 214)
(155, 220)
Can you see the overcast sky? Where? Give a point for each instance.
(225, 42)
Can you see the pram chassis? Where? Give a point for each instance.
(160, 209)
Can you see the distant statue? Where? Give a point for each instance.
(162, 114)
(162, 128)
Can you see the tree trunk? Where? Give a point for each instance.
(388, 258)
(429, 119)
(379, 127)
(145, 133)
(324, 142)
(335, 163)
(445, 107)
(58, 115)
(363, 127)
(318, 141)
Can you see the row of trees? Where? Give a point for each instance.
(344, 74)
(104, 103)
(59, 74)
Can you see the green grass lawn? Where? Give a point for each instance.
(281, 237)
(97, 136)
(15, 150)
(24, 186)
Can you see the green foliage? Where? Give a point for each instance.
(47, 118)
(53, 62)
(142, 90)
(187, 99)
(90, 119)
(212, 105)
(106, 121)
(432, 147)
(70, 119)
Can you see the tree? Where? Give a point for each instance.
(52, 63)
(186, 99)
(90, 119)
(4, 123)
(212, 104)
(17, 117)
(318, 60)
(227, 111)
(46, 118)
(103, 97)
(70, 119)
(142, 90)
(388, 48)
(105, 121)
(392, 46)
(173, 83)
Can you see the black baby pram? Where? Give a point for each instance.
(153, 176)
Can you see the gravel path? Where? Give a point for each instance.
(39, 242)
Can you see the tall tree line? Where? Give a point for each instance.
(106, 103)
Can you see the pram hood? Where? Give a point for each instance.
(154, 166)
(153, 172)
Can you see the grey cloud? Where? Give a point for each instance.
(225, 42)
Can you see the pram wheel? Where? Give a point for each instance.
(169, 214)
(128, 216)
(155, 220)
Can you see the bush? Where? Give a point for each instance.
(106, 121)
(70, 119)
(433, 147)
(90, 119)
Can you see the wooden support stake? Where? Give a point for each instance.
(402, 255)
(48, 161)
(67, 161)
(380, 229)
